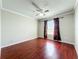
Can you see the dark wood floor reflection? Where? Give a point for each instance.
(39, 49)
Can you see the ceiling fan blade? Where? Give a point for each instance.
(34, 4)
(46, 11)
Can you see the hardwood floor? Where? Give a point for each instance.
(39, 49)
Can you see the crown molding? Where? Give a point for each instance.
(14, 12)
(61, 14)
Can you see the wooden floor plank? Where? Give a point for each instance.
(39, 49)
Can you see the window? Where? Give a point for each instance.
(50, 29)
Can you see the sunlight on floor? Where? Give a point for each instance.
(50, 51)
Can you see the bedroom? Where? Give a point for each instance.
(39, 29)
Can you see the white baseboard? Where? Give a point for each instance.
(76, 50)
(68, 42)
(16, 43)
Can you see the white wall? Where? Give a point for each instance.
(40, 29)
(17, 28)
(76, 28)
(66, 28)
(0, 28)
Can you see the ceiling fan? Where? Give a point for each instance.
(38, 9)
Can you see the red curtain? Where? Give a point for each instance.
(45, 29)
(56, 29)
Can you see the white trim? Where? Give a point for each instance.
(14, 12)
(68, 42)
(28, 40)
(62, 14)
(76, 50)
(16, 43)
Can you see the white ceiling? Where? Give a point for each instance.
(26, 8)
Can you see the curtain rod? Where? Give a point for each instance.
(42, 20)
